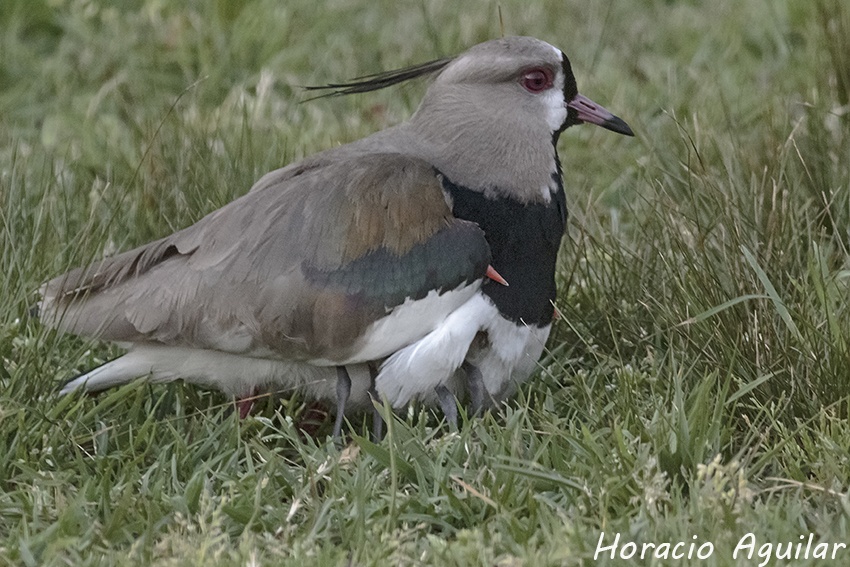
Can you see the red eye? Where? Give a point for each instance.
(537, 80)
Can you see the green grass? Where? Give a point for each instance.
(697, 383)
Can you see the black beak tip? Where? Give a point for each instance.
(618, 125)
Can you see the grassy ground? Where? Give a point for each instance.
(698, 383)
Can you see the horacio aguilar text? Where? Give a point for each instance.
(747, 547)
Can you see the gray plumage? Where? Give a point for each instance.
(349, 256)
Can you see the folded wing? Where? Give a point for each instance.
(308, 268)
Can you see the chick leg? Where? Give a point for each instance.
(475, 384)
(343, 391)
(377, 420)
(448, 404)
(246, 404)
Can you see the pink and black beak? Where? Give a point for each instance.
(582, 109)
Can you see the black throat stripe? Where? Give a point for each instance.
(524, 241)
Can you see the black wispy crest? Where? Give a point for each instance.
(382, 80)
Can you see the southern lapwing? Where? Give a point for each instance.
(415, 264)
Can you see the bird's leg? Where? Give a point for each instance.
(246, 404)
(448, 404)
(377, 420)
(475, 383)
(343, 391)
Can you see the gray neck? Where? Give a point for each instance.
(510, 154)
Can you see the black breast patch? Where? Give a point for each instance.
(524, 241)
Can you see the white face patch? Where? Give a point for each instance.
(556, 106)
(554, 103)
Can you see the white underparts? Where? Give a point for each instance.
(512, 356)
(235, 375)
(407, 323)
(422, 366)
(508, 359)
(413, 370)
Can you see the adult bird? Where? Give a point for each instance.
(363, 270)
